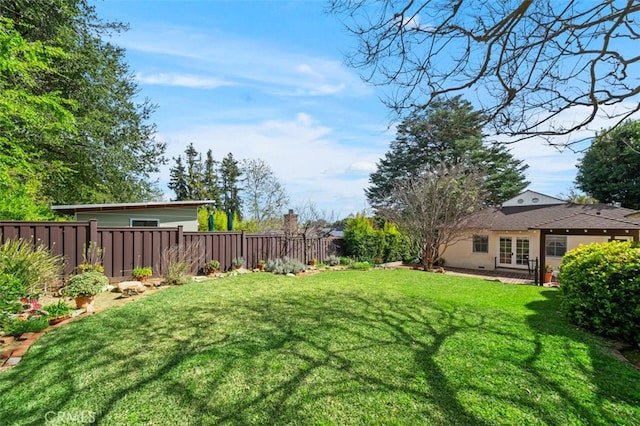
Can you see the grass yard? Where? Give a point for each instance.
(349, 347)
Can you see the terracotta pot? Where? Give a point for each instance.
(142, 279)
(58, 320)
(211, 272)
(547, 276)
(261, 266)
(83, 301)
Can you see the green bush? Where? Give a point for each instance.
(363, 266)
(17, 327)
(600, 288)
(366, 243)
(33, 265)
(86, 284)
(24, 269)
(11, 290)
(285, 266)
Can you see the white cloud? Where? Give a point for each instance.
(250, 62)
(182, 80)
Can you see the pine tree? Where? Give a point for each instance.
(211, 189)
(448, 133)
(194, 178)
(178, 180)
(229, 177)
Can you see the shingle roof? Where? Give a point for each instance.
(585, 216)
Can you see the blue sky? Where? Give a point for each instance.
(266, 79)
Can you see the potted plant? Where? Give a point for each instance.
(237, 262)
(212, 266)
(58, 312)
(84, 287)
(313, 262)
(142, 273)
(548, 273)
(261, 264)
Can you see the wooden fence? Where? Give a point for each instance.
(126, 248)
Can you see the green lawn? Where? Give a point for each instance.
(351, 347)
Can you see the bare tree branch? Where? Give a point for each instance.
(529, 63)
(433, 208)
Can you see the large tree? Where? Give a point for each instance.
(265, 198)
(610, 168)
(530, 63)
(432, 208)
(28, 113)
(449, 132)
(112, 157)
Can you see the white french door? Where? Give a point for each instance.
(513, 252)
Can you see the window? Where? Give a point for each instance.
(480, 244)
(556, 246)
(145, 222)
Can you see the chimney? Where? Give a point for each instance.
(290, 223)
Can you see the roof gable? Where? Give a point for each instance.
(532, 198)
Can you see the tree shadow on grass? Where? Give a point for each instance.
(295, 357)
(611, 387)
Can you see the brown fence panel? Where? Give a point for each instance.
(67, 239)
(220, 246)
(126, 248)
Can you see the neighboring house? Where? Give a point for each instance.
(158, 214)
(534, 226)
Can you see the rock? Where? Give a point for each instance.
(130, 288)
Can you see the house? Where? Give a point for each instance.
(159, 214)
(534, 227)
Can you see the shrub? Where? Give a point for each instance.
(34, 266)
(179, 261)
(285, 266)
(142, 272)
(366, 242)
(363, 266)
(212, 265)
(24, 270)
(58, 309)
(345, 261)
(332, 260)
(11, 290)
(600, 289)
(17, 327)
(86, 284)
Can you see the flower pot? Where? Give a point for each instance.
(211, 272)
(547, 276)
(58, 320)
(261, 266)
(142, 279)
(83, 301)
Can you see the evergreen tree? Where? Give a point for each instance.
(610, 168)
(211, 189)
(194, 173)
(178, 181)
(229, 178)
(449, 133)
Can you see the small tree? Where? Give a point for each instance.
(313, 223)
(264, 196)
(433, 209)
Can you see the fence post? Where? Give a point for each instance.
(93, 231)
(243, 246)
(180, 241)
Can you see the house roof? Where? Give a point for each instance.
(567, 215)
(71, 209)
